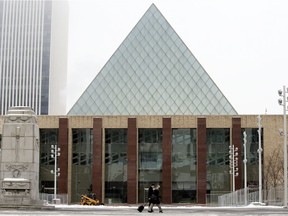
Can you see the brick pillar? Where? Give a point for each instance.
(98, 178)
(132, 162)
(167, 162)
(237, 142)
(63, 158)
(201, 161)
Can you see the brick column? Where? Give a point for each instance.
(132, 162)
(97, 166)
(63, 158)
(237, 142)
(201, 161)
(166, 165)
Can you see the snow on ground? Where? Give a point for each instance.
(127, 206)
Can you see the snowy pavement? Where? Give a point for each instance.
(171, 210)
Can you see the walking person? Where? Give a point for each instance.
(155, 200)
(150, 193)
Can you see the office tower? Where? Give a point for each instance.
(33, 55)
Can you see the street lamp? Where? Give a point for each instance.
(55, 153)
(245, 166)
(282, 101)
(260, 159)
(233, 164)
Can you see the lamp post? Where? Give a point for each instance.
(233, 164)
(245, 166)
(260, 158)
(282, 102)
(55, 152)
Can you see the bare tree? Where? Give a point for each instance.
(273, 168)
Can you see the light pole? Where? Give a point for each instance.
(55, 153)
(245, 166)
(233, 164)
(260, 158)
(282, 102)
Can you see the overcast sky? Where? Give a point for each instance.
(242, 44)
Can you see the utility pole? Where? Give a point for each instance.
(55, 153)
(282, 102)
(245, 166)
(233, 164)
(260, 159)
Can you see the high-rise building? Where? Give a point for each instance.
(33, 55)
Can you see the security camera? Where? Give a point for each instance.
(280, 92)
(280, 101)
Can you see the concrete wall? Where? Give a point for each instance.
(270, 124)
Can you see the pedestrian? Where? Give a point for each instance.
(150, 193)
(155, 200)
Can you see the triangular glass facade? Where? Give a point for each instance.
(152, 73)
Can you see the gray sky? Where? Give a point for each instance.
(242, 44)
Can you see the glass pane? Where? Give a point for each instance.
(218, 177)
(81, 162)
(184, 165)
(149, 160)
(252, 156)
(116, 165)
(48, 137)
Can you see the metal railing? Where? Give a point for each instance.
(212, 198)
(272, 196)
(48, 198)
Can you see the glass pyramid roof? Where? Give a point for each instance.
(152, 73)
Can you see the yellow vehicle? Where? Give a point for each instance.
(89, 199)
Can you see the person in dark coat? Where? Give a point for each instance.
(150, 193)
(155, 200)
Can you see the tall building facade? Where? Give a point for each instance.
(33, 55)
(118, 157)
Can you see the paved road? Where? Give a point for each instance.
(168, 211)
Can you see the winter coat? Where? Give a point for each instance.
(155, 198)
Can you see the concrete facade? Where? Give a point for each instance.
(20, 158)
(270, 125)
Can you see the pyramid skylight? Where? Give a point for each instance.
(152, 73)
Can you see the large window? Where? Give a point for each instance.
(116, 165)
(183, 165)
(48, 137)
(150, 159)
(252, 155)
(218, 179)
(81, 162)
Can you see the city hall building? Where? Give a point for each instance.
(153, 115)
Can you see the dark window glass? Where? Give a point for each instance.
(252, 155)
(116, 165)
(81, 162)
(48, 137)
(218, 176)
(149, 159)
(184, 165)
